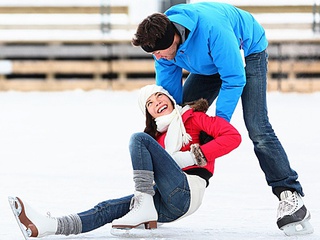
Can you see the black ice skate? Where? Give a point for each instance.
(293, 217)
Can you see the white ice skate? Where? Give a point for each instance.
(293, 217)
(31, 223)
(142, 211)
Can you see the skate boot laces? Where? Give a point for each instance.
(293, 216)
(135, 202)
(289, 204)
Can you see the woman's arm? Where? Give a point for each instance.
(225, 137)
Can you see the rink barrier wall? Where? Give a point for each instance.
(291, 67)
(95, 17)
(98, 58)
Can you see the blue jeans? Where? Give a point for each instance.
(267, 147)
(172, 194)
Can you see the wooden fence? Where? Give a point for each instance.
(82, 56)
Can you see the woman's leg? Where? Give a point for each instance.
(104, 212)
(172, 195)
(39, 225)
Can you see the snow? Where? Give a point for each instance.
(64, 152)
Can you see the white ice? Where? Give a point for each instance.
(64, 152)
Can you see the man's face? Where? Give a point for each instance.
(168, 53)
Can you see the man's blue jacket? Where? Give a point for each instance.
(217, 33)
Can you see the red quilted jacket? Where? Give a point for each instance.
(226, 137)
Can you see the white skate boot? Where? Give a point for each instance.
(32, 223)
(293, 217)
(142, 211)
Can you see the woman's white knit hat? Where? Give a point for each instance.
(147, 91)
(171, 123)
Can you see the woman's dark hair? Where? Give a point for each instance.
(151, 127)
(200, 105)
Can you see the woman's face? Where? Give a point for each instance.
(159, 104)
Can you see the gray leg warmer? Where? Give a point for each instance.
(69, 225)
(144, 181)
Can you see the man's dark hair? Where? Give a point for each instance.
(150, 30)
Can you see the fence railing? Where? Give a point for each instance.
(50, 53)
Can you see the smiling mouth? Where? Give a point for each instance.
(162, 108)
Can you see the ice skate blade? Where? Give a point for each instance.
(147, 225)
(16, 210)
(299, 228)
(138, 232)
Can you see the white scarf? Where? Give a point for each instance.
(176, 132)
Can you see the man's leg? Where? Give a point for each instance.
(201, 86)
(269, 151)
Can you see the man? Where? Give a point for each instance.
(223, 48)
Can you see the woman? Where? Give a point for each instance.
(167, 153)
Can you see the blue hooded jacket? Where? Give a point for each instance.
(217, 33)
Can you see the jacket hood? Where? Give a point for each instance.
(188, 19)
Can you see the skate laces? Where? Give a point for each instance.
(49, 215)
(135, 202)
(288, 205)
